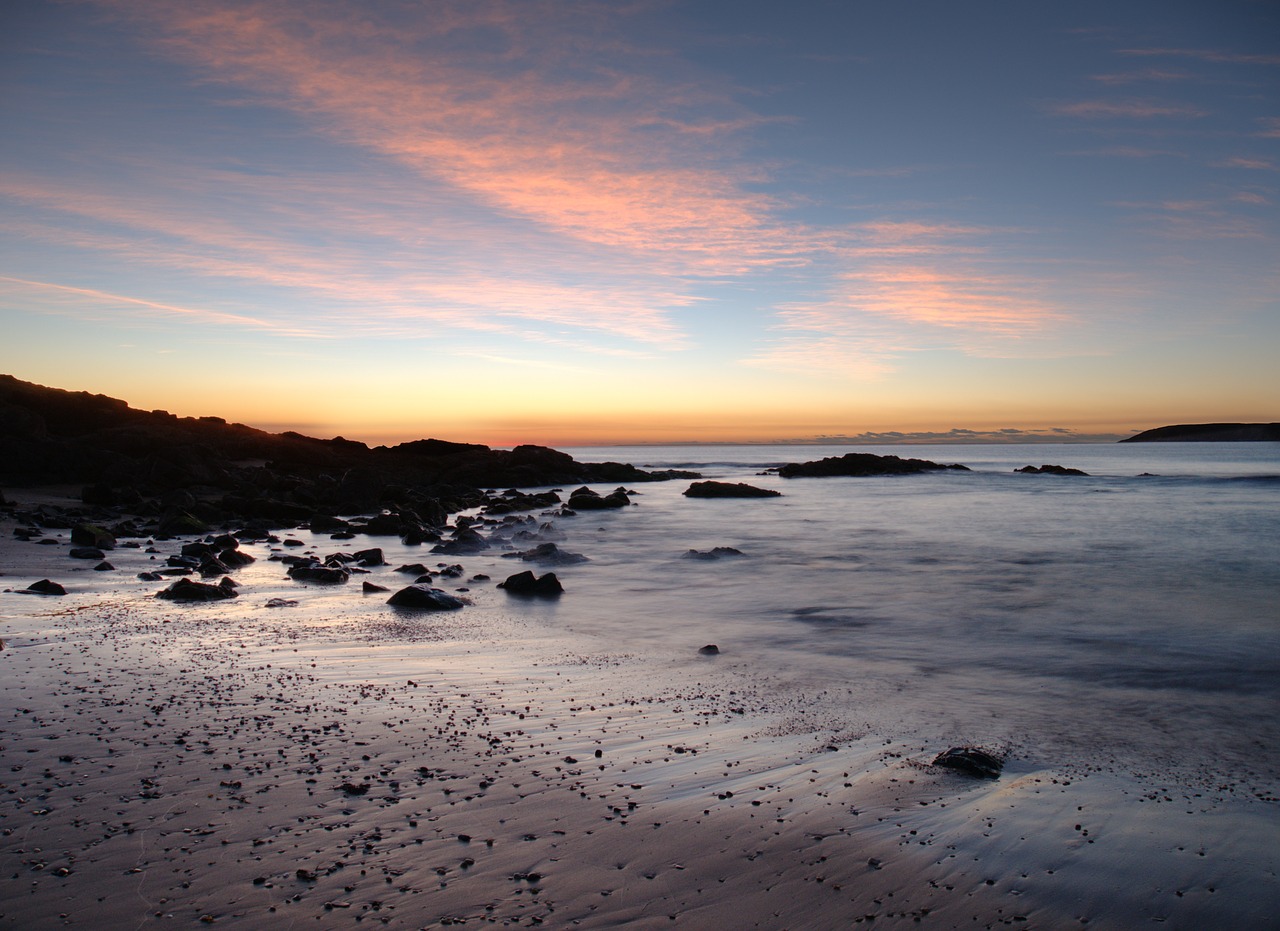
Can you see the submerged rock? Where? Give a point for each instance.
(720, 552)
(728, 490)
(525, 583)
(971, 761)
(425, 598)
(551, 555)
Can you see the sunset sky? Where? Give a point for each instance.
(575, 222)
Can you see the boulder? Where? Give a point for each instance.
(525, 583)
(971, 761)
(369, 588)
(85, 552)
(709, 650)
(92, 535)
(728, 490)
(425, 598)
(43, 587)
(584, 499)
(187, 590)
(370, 557)
(322, 575)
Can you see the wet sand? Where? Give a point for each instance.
(252, 767)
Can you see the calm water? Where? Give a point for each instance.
(1129, 615)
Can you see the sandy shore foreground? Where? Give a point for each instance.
(297, 767)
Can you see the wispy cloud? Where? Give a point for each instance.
(1250, 164)
(1270, 127)
(1213, 55)
(1146, 75)
(1126, 109)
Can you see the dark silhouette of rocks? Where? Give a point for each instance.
(187, 590)
(425, 598)
(728, 490)
(719, 552)
(548, 554)
(1050, 470)
(321, 575)
(1210, 433)
(525, 583)
(861, 464)
(185, 475)
(584, 499)
(709, 650)
(971, 761)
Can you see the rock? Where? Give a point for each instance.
(728, 490)
(465, 542)
(322, 575)
(323, 523)
(551, 555)
(584, 499)
(370, 557)
(971, 761)
(416, 568)
(103, 566)
(92, 535)
(425, 598)
(178, 523)
(709, 650)
(281, 603)
(1050, 470)
(187, 590)
(720, 552)
(43, 587)
(86, 552)
(369, 588)
(862, 464)
(525, 583)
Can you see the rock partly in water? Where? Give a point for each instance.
(369, 588)
(1050, 470)
(525, 583)
(709, 650)
(971, 761)
(86, 552)
(323, 575)
(584, 499)
(720, 552)
(92, 535)
(425, 598)
(862, 464)
(728, 490)
(187, 590)
(548, 554)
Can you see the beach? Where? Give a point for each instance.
(336, 761)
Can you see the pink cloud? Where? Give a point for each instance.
(1251, 164)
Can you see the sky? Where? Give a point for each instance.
(573, 223)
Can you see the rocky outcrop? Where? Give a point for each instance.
(863, 464)
(728, 490)
(1050, 470)
(1210, 433)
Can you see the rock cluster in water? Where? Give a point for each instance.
(728, 490)
(860, 464)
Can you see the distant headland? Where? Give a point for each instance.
(1209, 433)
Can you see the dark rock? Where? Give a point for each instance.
(525, 583)
(187, 590)
(43, 587)
(103, 566)
(235, 558)
(322, 575)
(281, 603)
(179, 523)
(416, 568)
(369, 588)
(370, 557)
(150, 576)
(323, 523)
(211, 566)
(85, 552)
(452, 572)
(971, 761)
(584, 499)
(720, 552)
(1050, 470)
(466, 542)
(728, 490)
(549, 554)
(425, 598)
(862, 464)
(709, 650)
(92, 535)
(1209, 433)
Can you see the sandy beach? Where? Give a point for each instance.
(339, 761)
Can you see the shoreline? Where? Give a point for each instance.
(173, 756)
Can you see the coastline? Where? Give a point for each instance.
(189, 761)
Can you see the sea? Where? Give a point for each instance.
(1127, 618)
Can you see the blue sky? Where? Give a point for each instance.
(615, 222)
